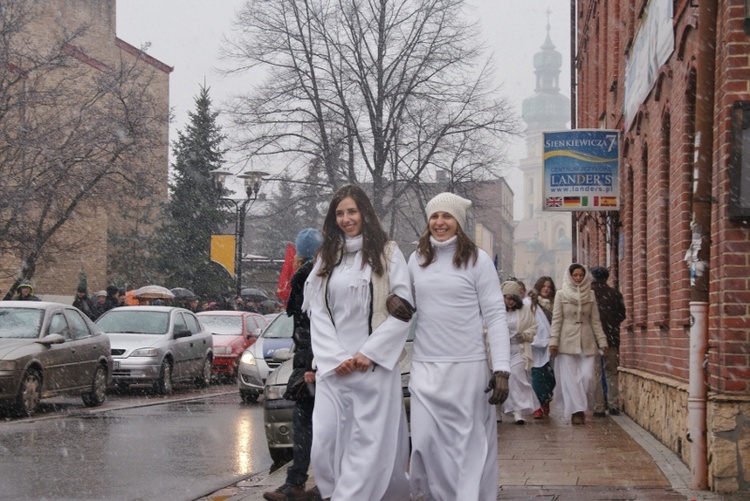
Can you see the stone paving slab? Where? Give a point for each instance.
(608, 458)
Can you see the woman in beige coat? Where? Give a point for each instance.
(576, 337)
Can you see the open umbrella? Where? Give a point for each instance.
(153, 292)
(182, 293)
(254, 295)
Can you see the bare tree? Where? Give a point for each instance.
(72, 129)
(384, 92)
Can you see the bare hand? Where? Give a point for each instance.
(310, 377)
(361, 362)
(552, 351)
(346, 367)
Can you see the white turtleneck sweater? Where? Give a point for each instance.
(454, 305)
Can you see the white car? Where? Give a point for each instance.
(257, 361)
(157, 345)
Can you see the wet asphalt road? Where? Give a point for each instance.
(134, 447)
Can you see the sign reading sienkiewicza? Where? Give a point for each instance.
(580, 170)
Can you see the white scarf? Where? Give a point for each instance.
(359, 279)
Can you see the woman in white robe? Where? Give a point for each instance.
(360, 444)
(522, 326)
(457, 295)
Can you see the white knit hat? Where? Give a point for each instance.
(450, 203)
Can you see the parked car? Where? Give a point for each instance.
(233, 333)
(257, 361)
(50, 349)
(158, 346)
(277, 412)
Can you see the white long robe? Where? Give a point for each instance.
(454, 429)
(360, 444)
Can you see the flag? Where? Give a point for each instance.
(496, 261)
(608, 201)
(572, 202)
(554, 202)
(287, 270)
(222, 251)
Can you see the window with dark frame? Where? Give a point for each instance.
(739, 162)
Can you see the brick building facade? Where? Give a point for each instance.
(647, 249)
(96, 51)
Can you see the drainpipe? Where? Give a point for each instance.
(573, 124)
(700, 250)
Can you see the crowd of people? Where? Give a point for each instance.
(96, 304)
(477, 344)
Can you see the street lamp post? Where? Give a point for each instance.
(252, 181)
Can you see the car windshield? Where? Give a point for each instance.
(225, 324)
(281, 328)
(20, 323)
(129, 321)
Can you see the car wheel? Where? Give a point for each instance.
(205, 378)
(249, 397)
(98, 393)
(281, 456)
(164, 386)
(29, 394)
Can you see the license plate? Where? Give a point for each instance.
(115, 365)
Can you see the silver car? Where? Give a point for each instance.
(277, 412)
(257, 361)
(157, 345)
(49, 349)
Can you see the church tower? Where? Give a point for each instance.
(542, 240)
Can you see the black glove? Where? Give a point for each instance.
(498, 385)
(399, 307)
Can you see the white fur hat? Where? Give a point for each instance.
(450, 203)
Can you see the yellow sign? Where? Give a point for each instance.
(222, 251)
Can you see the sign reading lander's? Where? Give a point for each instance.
(580, 170)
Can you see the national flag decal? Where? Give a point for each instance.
(572, 202)
(554, 201)
(608, 201)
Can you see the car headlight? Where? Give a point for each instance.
(145, 352)
(247, 358)
(223, 350)
(275, 391)
(7, 365)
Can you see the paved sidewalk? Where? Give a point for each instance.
(607, 458)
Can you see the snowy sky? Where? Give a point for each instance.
(187, 34)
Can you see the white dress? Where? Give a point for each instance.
(453, 427)
(521, 396)
(360, 444)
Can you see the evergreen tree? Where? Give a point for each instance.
(194, 211)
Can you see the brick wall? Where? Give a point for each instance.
(656, 182)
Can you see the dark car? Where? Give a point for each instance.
(50, 349)
(277, 412)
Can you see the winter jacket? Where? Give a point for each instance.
(611, 310)
(303, 354)
(576, 326)
(87, 308)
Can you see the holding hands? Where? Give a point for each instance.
(359, 362)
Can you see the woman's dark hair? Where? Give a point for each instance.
(537, 290)
(465, 250)
(517, 302)
(374, 237)
(575, 266)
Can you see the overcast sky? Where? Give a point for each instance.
(186, 34)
